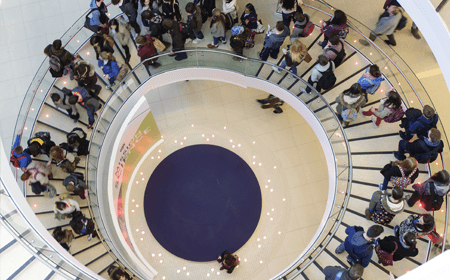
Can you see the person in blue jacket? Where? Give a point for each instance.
(273, 41)
(370, 81)
(19, 157)
(359, 244)
(109, 67)
(98, 16)
(421, 125)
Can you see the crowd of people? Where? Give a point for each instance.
(151, 19)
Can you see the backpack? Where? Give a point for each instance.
(77, 129)
(79, 175)
(402, 23)
(249, 43)
(307, 30)
(395, 116)
(328, 79)
(184, 29)
(340, 55)
(55, 62)
(403, 181)
(428, 156)
(432, 202)
(204, 12)
(15, 160)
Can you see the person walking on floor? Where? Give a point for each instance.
(386, 25)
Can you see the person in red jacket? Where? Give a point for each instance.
(147, 49)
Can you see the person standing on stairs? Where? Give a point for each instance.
(120, 30)
(355, 272)
(420, 225)
(65, 207)
(349, 103)
(91, 103)
(39, 144)
(296, 54)
(323, 65)
(273, 41)
(288, 9)
(414, 122)
(76, 142)
(424, 150)
(386, 25)
(102, 44)
(383, 206)
(84, 74)
(337, 25)
(109, 67)
(61, 99)
(300, 22)
(400, 173)
(59, 58)
(19, 158)
(75, 183)
(130, 11)
(38, 174)
(401, 247)
(438, 184)
(370, 81)
(334, 50)
(387, 109)
(179, 32)
(359, 244)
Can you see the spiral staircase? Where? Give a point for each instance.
(369, 149)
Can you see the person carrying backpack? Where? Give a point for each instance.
(433, 189)
(229, 8)
(82, 225)
(417, 123)
(384, 206)
(303, 27)
(61, 98)
(370, 81)
(334, 50)
(76, 142)
(355, 272)
(389, 110)
(386, 25)
(238, 40)
(98, 22)
(323, 67)
(75, 183)
(179, 32)
(296, 54)
(59, 58)
(397, 247)
(424, 150)
(19, 158)
(349, 103)
(171, 10)
(129, 8)
(399, 173)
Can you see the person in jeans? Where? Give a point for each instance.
(273, 41)
(19, 158)
(386, 25)
(425, 150)
(91, 103)
(296, 54)
(355, 272)
(194, 21)
(109, 68)
(217, 29)
(130, 11)
(359, 244)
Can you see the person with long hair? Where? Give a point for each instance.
(401, 246)
(388, 106)
(296, 54)
(217, 28)
(370, 81)
(350, 98)
(121, 31)
(147, 49)
(439, 182)
(337, 25)
(419, 224)
(289, 8)
(399, 169)
(249, 17)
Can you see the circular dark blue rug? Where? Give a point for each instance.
(202, 200)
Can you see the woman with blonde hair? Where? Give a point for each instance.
(294, 57)
(400, 173)
(217, 28)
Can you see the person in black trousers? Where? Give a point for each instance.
(129, 8)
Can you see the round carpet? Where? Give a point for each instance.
(202, 200)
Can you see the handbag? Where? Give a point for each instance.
(434, 237)
(385, 257)
(349, 114)
(260, 28)
(307, 58)
(158, 44)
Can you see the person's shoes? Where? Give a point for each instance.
(236, 58)
(196, 41)
(388, 43)
(173, 54)
(188, 40)
(155, 64)
(89, 238)
(403, 135)
(276, 69)
(380, 186)
(320, 43)
(180, 58)
(374, 120)
(398, 156)
(364, 42)
(211, 46)
(223, 41)
(368, 214)
(415, 33)
(75, 120)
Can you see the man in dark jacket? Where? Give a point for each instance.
(359, 244)
(90, 102)
(39, 144)
(179, 34)
(195, 22)
(274, 40)
(65, 57)
(415, 122)
(424, 150)
(129, 8)
(355, 272)
(75, 183)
